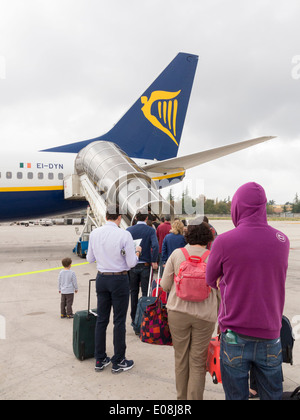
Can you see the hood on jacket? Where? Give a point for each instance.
(249, 205)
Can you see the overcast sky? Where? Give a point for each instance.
(70, 69)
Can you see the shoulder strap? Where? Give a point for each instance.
(185, 253)
(205, 255)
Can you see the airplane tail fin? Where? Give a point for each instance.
(153, 126)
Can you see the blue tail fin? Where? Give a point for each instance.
(152, 127)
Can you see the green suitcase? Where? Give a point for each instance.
(84, 332)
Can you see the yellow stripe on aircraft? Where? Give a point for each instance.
(168, 176)
(21, 189)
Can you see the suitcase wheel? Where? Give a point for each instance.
(215, 379)
(82, 351)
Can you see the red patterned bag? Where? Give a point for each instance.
(155, 328)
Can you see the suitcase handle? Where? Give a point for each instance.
(150, 281)
(89, 300)
(157, 281)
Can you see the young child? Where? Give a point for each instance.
(67, 285)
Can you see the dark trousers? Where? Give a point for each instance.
(66, 304)
(112, 292)
(138, 276)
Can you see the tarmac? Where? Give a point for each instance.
(36, 354)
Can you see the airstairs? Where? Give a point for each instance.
(105, 176)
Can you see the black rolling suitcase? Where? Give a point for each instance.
(84, 331)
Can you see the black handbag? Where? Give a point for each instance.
(287, 340)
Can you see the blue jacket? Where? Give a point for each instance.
(149, 242)
(170, 243)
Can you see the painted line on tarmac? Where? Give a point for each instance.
(40, 271)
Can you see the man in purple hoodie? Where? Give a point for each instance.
(249, 265)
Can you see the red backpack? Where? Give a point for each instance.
(190, 281)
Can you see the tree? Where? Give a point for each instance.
(296, 204)
(218, 207)
(171, 196)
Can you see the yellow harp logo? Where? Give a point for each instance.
(167, 106)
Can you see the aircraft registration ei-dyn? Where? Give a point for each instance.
(143, 144)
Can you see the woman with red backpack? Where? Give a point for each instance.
(192, 313)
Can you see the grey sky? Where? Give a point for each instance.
(72, 68)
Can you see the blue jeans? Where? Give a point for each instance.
(112, 291)
(263, 356)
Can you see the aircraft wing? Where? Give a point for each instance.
(196, 159)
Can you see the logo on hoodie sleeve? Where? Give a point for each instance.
(280, 236)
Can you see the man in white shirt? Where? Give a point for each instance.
(114, 250)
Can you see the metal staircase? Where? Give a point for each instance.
(105, 176)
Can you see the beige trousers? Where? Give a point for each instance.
(191, 337)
